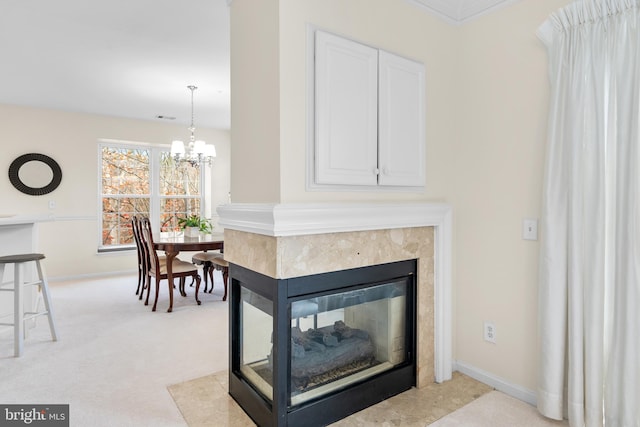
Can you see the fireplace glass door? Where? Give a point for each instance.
(313, 349)
(256, 324)
(345, 337)
(335, 339)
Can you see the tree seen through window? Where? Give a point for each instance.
(144, 181)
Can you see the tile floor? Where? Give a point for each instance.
(205, 402)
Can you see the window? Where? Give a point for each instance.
(144, 180)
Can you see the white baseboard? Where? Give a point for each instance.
(496, 382)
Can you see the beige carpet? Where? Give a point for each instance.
(115, 358)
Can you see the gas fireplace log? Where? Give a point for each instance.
(319, 362)
(319, 351)
(327, 336)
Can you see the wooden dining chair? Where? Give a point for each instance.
(135, 228)
(158, 270)
(144, 259)
(212, 261)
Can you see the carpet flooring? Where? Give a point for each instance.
(116, 363)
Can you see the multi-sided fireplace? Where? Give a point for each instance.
(311, 350)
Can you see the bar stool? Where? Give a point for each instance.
(19, 315)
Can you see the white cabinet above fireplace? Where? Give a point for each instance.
(368, 116)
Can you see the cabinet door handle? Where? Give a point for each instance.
(376, 171)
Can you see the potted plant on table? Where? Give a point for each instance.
(193, 225)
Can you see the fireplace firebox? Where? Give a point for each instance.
(308, 351)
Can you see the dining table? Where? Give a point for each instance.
(173, 244)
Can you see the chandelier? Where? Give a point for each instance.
(197, 151)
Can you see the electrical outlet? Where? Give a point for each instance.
(490, 332)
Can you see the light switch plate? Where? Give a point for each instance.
(530, 229)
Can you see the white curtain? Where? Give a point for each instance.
(589, 294)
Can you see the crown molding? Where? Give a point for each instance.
(460, 11)
(456, 11)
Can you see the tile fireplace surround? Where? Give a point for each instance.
(291, 240)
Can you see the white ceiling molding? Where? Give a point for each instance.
(460, 11)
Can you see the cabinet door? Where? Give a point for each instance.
(401, 121)
(346, 76)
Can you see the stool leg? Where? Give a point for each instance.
(18, 316)
(47, 300)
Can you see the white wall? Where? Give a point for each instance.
(396, 26)
(70, 243)
(500, 146)
(269, 90)
(487, 93)
(255, 102)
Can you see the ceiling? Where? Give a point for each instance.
(135, 58)
(125, 58)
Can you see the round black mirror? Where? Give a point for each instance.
(29, 181)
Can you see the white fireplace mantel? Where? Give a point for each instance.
(321, 218)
